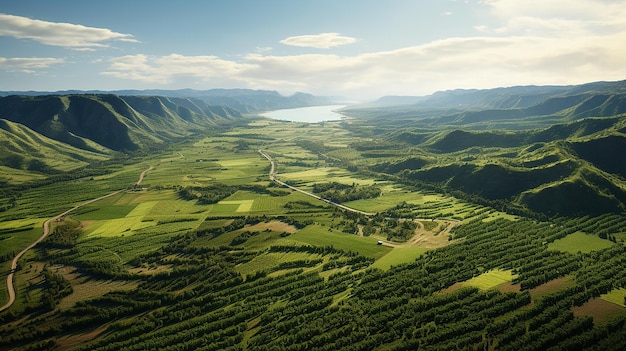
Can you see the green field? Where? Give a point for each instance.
(580, 242)
(270, 260)
(616, 296)
(399, 255)
(321, 236)
(490, 279)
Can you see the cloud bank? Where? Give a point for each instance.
(318, 41)
(28, 65)
(67, 35)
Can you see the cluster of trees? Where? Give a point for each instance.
(209, 194)
(214, 193)
(56, 287)
(338, 192)
(64, 235)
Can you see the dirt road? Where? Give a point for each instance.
(46, 231)
(272, 176)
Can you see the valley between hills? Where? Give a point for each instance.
(467, 219)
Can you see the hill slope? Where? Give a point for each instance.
(113, 122)
(568, 169)
(23, 149)
(523, 107)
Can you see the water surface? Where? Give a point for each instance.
(312, 114)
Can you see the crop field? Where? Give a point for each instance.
(270, 260)
(321, 236)
(129, 213)
(616, 296)
(490, 279)
(15, 235)
(580, 242)
(390, 197)
(84, 288)
(397, 256)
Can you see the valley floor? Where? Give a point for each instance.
(214, 249)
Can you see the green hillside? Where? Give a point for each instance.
(26, 150)
(111, 121)
(502, 108)
(566, 169)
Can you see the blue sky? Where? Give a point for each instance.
(354, 48)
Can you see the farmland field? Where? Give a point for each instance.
(321, 236)
(616, 296)
(580, 242)
(397, 256)
(490, 279)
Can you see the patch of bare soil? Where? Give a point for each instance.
(70, 341)
(276, 226)
(508, 287)
(602, 311)
(434, 238)
(552, 286)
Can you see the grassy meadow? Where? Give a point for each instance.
(580, 242)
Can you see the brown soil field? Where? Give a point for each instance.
(601, 311)
(276, 226)
(508, 287)
(67, 342)
(552, 286)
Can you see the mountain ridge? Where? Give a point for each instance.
(244, 100)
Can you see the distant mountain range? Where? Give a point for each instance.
(243, 100)
(510, 108)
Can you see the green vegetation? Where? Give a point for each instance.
(469, 244)
(579, 242)
(616, 296)
(491, 279)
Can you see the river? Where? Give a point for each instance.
(312, 114)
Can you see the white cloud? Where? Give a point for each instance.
(532, 44)
(27, 64)
(166, 69)
(557, 17)
(74, 36)
(318, 41)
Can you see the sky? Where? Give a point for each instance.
(359, 49)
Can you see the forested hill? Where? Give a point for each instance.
(243, 100)
(519, 107)
(119, 123)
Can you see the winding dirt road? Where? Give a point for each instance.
(46, 231)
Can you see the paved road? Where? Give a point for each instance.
(46, 231)
(273, 178)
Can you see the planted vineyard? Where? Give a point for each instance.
(209, 254)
